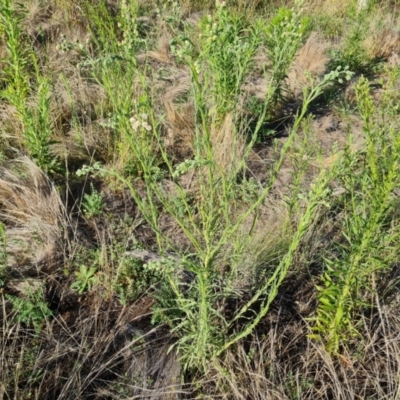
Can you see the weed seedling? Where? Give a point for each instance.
(85, 279)
(93, 203)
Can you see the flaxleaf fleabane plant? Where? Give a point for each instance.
(35, 119)
(367, 227)
(227, 52)
(16, 64)
(283, 37)
(127, 22)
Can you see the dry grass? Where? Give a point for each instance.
(99, 351)
(309, 65)
(10, 125)
(180, 129)
(34, 215)
(330, 7)
(284, 365)
(384, 40)
(228, 145)
(162, 52)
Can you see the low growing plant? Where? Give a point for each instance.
(32, 309)
(85, 279)
(93, 203)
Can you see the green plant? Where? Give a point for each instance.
(32, 309)
(295, 386)
(368, 226)
(133, 278)
(16, 70)
(93, 203)
(170, 11)
(331, 26)
(131, 41)
(283, 37)
(227, 51)
(38, 126)
(36, 118)
(85, 279)
(353, 52)
(102, 27)
(216, 220)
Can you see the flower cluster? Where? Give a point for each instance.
(182, 48)
(166, 265)
(140, 122)
(220, 29)
(287, 23)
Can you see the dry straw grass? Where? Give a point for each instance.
(40, 23)
(162, 52)
(329, 7)
(384, 39)
(180, 130)
(228, 144)
(94, 352)
(310, 62)
(33, 213)
(283, 364)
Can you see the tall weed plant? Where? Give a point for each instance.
(38, 126)
(194, 287)
(215, 222)
(283, 36)
(369, 228)
(16, 65)
(114, 67)
(227, 51)
(21, 73)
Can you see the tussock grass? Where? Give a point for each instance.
(34, 218)
(199, 200)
